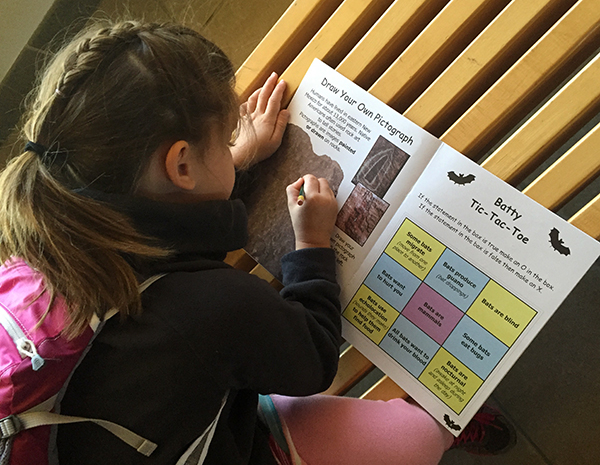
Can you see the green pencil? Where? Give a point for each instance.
(301, 196)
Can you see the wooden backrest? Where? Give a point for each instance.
(510, 84)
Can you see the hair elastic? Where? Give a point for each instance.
(48, 157)
(39, 149)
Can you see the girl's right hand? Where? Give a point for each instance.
(313, 221)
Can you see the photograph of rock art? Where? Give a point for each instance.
(360, 214)
(381, 166)
(365, 206)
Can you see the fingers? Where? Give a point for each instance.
(317, 185)
(292, 192)
(325, 189)
(294, 188)
(267, 99)
(266, 92)
(280, 125)
(274, 102)
(250, 105)
(312, 186)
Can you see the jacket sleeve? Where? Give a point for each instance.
(285, 343)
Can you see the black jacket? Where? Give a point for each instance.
(205, 328)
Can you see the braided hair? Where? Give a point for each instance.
(103, 106)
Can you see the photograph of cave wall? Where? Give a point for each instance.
(263, 191)
(360, 214)
(382, 165)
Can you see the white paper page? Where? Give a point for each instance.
(380, 152)
(465, 276)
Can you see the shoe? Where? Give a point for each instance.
(488, 433)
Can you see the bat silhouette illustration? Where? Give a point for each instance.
(557, 243)
(451, 423)
(461, 179)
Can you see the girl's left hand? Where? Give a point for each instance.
(260, 138)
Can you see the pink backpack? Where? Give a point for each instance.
(36, 363)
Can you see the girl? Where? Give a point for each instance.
(128, 173)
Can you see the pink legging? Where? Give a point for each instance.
(329, 430)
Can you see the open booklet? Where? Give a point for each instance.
(447, 272)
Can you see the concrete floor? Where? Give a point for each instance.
(551, 394)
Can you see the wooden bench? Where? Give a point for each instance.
(513, 85)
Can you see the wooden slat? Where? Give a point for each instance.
(239, 259)
(353, 366)
(570, 174)
(429, 54)
(384, 389)
(586, 219)
(262, 273)
(549, 128)
(545, 65)
(397, 28)
(510, 34)
(279, 47)
(335, 39)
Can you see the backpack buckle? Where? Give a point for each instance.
(9, 426)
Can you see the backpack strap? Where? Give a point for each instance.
(95, 322)
(196, 453)
(40, 414)
(15, 423)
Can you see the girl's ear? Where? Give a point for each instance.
(178, 165)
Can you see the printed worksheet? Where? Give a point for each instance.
(447, 272)
(466, 274)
